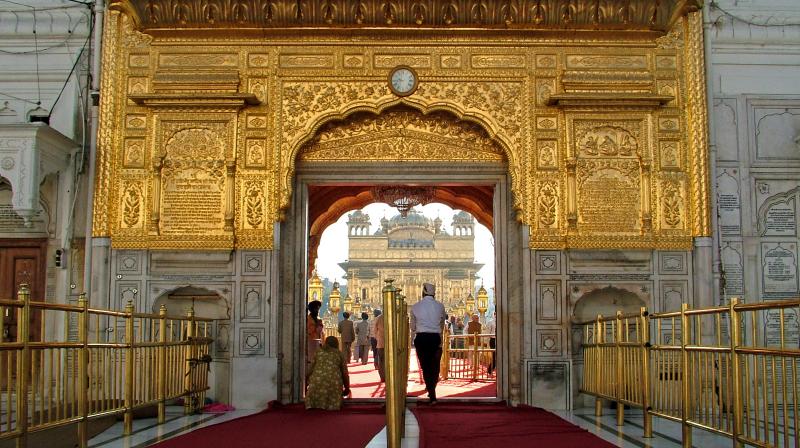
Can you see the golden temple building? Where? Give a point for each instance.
(411, 249)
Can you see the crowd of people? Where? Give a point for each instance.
(326, 370)
(327, 379)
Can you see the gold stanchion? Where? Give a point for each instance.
(645, 353)
(83, 375)
(735, 342)
(686, 407)
(129, 360)
(187, 379)
(23, 363)
(162, 363)
(618, 392)
(598, 339)
(393, 428)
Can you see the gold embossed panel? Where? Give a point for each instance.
(602, 130)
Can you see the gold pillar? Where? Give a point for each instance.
(162, 363)
(129, 359)
(83, 360)
(393, 431)
(23, 362)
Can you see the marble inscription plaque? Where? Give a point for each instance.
(781, 219)
(729, 203)
(609, 202)
(732, 266)
(779, 270)
(192, 203)
(791, 329)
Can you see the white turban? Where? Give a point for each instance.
(428, 289)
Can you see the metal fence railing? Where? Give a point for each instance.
(129, 360)
(466, 356)
(731, 370)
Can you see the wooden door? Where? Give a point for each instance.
(22, 261)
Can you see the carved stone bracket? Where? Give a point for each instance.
(28, 153)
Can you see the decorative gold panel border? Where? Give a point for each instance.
(278, 97)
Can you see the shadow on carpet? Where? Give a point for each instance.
(290, 426)
(447, 425)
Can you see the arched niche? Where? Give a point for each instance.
(606, 301)
(207, 304)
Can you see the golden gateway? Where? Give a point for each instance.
(598, 108)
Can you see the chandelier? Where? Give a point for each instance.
(401, 197)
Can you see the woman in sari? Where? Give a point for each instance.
(329, 380)
(314, 330)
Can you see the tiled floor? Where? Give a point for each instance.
(147, 431)
(666, 433)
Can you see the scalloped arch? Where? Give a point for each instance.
(492, 127)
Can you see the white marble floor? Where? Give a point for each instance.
(666, 434)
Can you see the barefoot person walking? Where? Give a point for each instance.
(427, 319)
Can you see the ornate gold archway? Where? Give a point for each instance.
(602, 127)
(396, 136)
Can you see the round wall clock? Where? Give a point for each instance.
(403, 80)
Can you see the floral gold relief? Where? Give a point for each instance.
(596, 111)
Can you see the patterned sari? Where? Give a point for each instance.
(328, 376)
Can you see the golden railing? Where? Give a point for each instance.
(396, 341)
(466, 356)
(127, 361)
(730, 370)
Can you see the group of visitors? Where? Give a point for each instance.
(328, 379)
(326, 369)
(365, 335)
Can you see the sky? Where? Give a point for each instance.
(333, 246)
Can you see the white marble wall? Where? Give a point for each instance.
(754, 94)
(39, 45)
(244, 370)
(567, 287)
(34, 67)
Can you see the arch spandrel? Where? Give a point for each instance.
(497, 106)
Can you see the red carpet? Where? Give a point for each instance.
(365, 383)
(453, 425)
(290, 426)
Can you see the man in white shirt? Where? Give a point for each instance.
(427, 319)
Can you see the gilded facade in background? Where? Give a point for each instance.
(602, 128)
(411, 250)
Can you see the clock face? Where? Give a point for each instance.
(403, 81)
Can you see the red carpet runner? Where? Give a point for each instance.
(447, 425)
(290, 426)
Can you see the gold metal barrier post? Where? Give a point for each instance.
(23, 363)
(395, 385)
